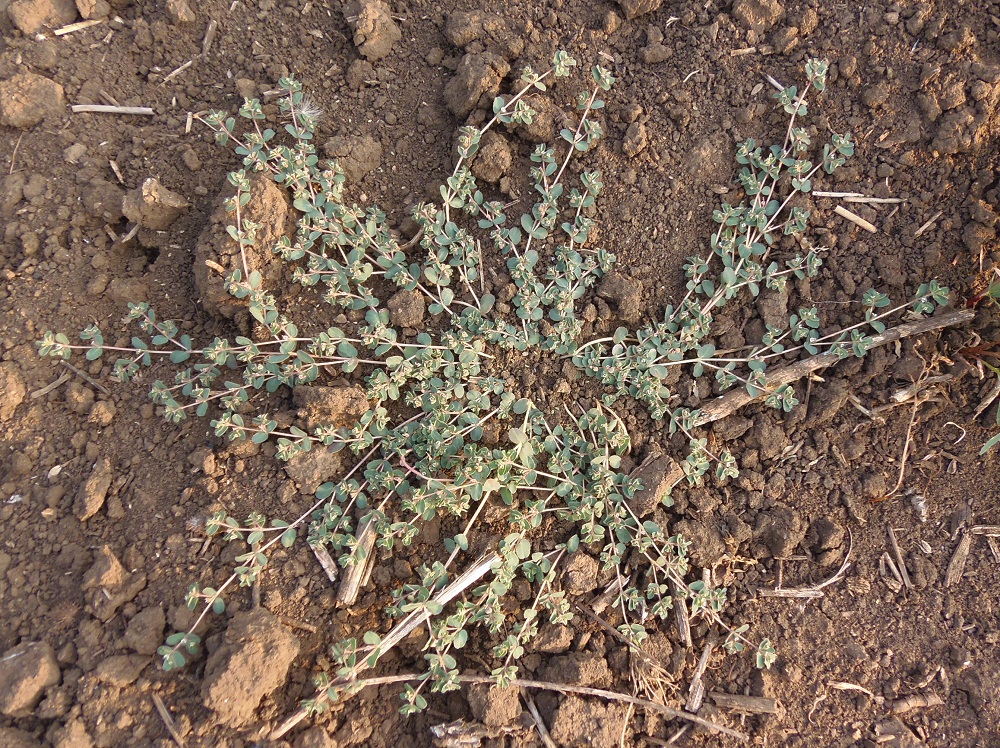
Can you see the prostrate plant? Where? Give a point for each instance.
(637, 363)
(425, 446)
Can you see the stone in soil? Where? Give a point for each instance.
(827, 401)
(71, 735)
(25, 672)
(93, 8)
(11, 737)
(493, 159)
(268, 207)
(625, 293)
(90, 498)
(375, 31)
(316, 737)
(731, 427)
(635, 8)
(760, 15)
(587, 669)
(581, 574)
(478, 77)
(655, 52)
(180, 12)
(252, 662)
(406, 308)
(121, 670)
(658, 476)
(357, 156)
(543, 126)
(144, 632)
(340, 407)
(12, 389)
(106, 571)
(464, 28)
(552, 639)
(33, 16)
(780, 530)
(636, 140)
(495, 707)
(313, 468)
(825, 538)
(580, 723)
(707, 544)
(106, 599)
(102, 413)
(153, 206)
(103, 200)
(27, 99)
(772, 306)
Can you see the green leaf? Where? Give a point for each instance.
(517, 436)
(990, 444)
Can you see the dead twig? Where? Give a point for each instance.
(815, 590)
(740, 703)
(168, 720)
(206, 42)
(696, 692)
(990, 531)
(356, 576)
(860, 197)
(326, 561)
(543, 732)
(106, 109)
(906, 444)
(681, 616)
(49, 387)
(654, 666)
(300, 625)
(13, 155)
(854, 218)
(987, 401)
(956, 567)
(841, 686)
(78, 26)
(900, 563)
(782, 375)
(87, 378)
(930, 222)
(176, 71)
(915, 701)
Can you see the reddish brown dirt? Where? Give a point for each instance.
(918, 84)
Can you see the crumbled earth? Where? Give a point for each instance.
(103, 504)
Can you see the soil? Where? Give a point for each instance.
(102, 503)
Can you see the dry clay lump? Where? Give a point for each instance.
(12, 390)
(375, 31)
(34, 16)
(268, 208)
(252, 661)
(25, 672)
(27, 99)
(153, 206)
(635, 8)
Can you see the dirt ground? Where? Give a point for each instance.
(102, 503)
